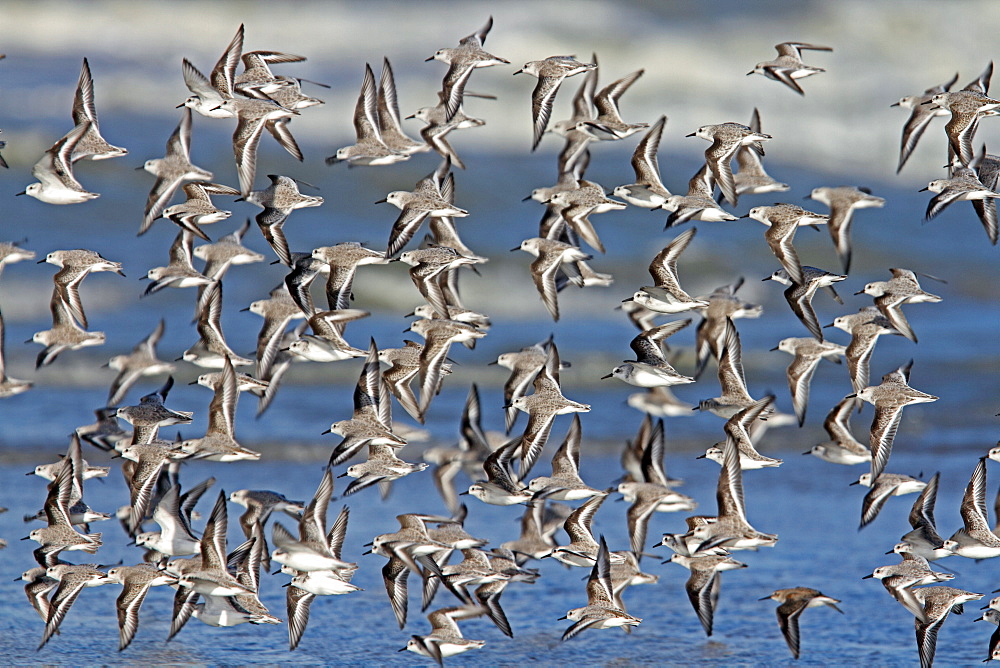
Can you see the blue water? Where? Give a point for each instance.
(807, 502)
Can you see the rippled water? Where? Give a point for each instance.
(807, 502)
(842, 132)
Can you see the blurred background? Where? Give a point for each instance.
(696, 56)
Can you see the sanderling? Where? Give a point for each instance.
(727, 139)
(608, 125)
(550, 73)
(461, 60)
(793, 601)
(603, 610)
(920, 116)
(976, 540)
(703, 584)
(565, 484)
(882, 487)
(368, 148)
(751, 178)
(666, 294)
(799, 296)
(698, 203)
(648, 190)
(54, 171)
(807, 353)
(843, 447)
(92, 145)
(788, 66)
(171, 171)
(889, 398)
(650, 368)
(843, 200)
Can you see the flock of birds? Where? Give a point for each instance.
(220, 587)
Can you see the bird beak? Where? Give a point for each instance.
(326, 432)
(25, 192)
(894, 104)
(890, 552)
(773, 349)
(828, 326)
(860, 292)
(856, 482)
(764, 599)
(516, 248)
(608, 376)
(693, 134)
(426, 60)
(179, 105)
(865, 577)
(382, 201)
(519, 71)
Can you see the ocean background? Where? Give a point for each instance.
(695, 57)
